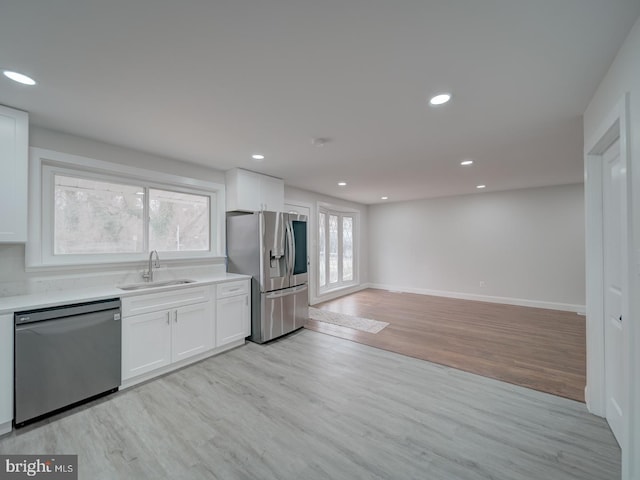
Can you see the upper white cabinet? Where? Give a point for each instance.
(14, 159)
(251, 192)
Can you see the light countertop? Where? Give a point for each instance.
(33, 301)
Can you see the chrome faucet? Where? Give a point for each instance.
(148, 275)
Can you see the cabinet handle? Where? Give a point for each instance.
(176, 316)
(246, 300)
(168, 318)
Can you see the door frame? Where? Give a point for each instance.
(614, 126)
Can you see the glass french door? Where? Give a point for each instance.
(335, 249)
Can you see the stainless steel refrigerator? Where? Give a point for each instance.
(272, 248)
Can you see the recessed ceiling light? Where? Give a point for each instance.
(19, 77)
(257, 156)
(481, 186)
(342, 184)
(440, 99)
(466, 163)
(384, 198)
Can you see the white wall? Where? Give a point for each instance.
(624, 77)
(527, 246)
(72, 144)
(295, 195)
(14, 279)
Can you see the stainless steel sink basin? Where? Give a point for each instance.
(166, 283)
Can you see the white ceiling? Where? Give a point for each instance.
(213, 81)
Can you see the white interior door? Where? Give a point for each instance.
(302, 210)
(614, 181)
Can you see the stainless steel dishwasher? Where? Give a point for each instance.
(65, 355)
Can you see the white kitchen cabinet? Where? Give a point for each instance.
(14, 162)
(159, 329)
(192, 331)
(233, 314)
(6, 373)
(251, 192)
(146, 343)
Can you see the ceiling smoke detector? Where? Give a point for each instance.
(320, 142)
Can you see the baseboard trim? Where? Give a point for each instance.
(522, 302)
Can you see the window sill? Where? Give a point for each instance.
(120, 264)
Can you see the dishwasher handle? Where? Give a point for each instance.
(65, 325)
(64, 311)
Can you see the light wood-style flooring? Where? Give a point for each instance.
(312, 406)
(536, 348)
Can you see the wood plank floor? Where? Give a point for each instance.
(312, 406)
(536, 348)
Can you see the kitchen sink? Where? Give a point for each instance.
(166, 283)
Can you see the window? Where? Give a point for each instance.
(84, 215)
(93, 217)
(178, 222)
(336, 261)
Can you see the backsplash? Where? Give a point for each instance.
(14, 280)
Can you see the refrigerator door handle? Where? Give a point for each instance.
(285, 292)
(301, 288)
(291, 248)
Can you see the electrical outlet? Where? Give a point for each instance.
(482, 283)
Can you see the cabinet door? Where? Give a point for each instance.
(232, 319)
(192, 330)
(272, 194)
(146, 343)
(14, 152)
(252, 192)
(243, 190)
(6, 370)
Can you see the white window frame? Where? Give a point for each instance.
(45, 164)
(330, 209)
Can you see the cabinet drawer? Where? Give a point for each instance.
(152, 302)
(231, 289)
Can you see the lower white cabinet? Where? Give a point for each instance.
(146, 343)
(192, 331)
(6, 373)
(233, 319)
(233, 314)
(159, 338)
(163, 328)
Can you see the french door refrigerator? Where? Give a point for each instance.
(272, 248)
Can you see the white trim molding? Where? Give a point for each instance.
(341, 287)
(567, 307)
(44, 163)
(615, 126)
(612, 128)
